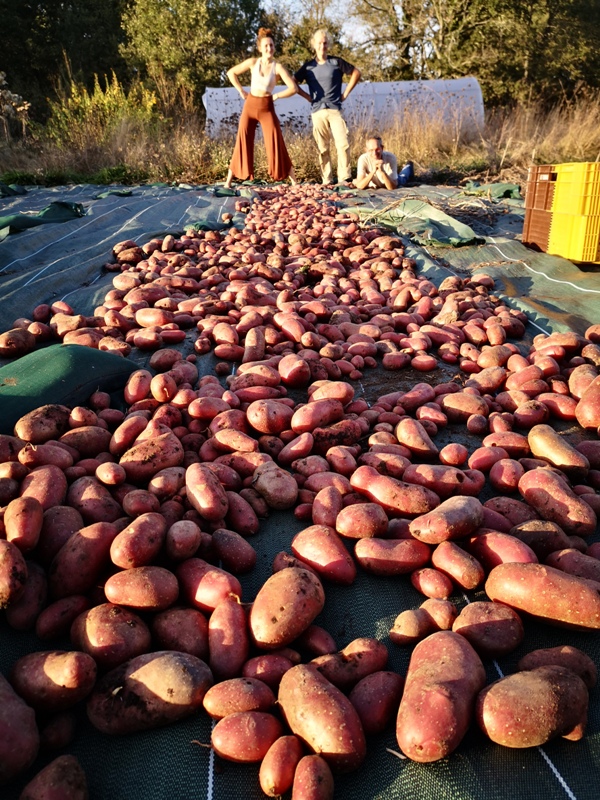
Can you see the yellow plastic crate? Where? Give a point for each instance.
(577, 188)
(575, 237)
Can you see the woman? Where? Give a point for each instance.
(258, 107)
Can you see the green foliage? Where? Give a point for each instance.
(80, 116)
(193, 42)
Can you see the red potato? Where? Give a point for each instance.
(277, 769)
(552, 498)
(455, 518)
(246, 736)
(275, 485)
(505, 474)
(317, 414)
(483, 458)
(459, 406)
(284, 607)
(13, 573)
(396, 497)
(357, 660)
(546, 443)
(46, 484)
(182, 540)
(547, 594)
(588, 408)
(237, 694)
(391, 556)
(575, 563)
(56, 619)
(361, 521)
(541, 536)
(530, 708)
(93, 500)
(41, 454)
(234, 552)
(181, 629)
(313, 780)
(433, 718)
(205, 492)
(53, 680)
(110, 635)
(204, 586)
(142, 461)
(444, 480)
(493, 629)
(63, 778)
(326, 506)
(317, 641)
(376, 698)
(306, 698)
(23, 612)
(88, 440)
(140, 542)
(19, 736)
(458, 565)
(269, 416)
(321, 548)
(411, 626)
(80, 561)
(142, 588)
(562, 656)
(432, 583)
(240, 515)
(43, 424)
(149, 691)
(228, 639)
(269, 668)
(491, 548)
(515, 511)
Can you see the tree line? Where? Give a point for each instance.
(518, 49)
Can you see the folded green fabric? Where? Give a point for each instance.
(57, 211)
(495, 191)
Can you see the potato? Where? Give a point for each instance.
(284, 607)
(444, 677)
(554, 500)
(205, 492)
(142, 588)
(268, 667)
(449, 558)
(412, 625)
(443, 480)
(142, 461)
(19, 736)
(276, 774)
(13, 573)
(140, 542)
(110, 634)
(396, 497)
(322, 548)
(588, 408)
(391, 556)
(546, 594)
(58, 731)
(228, 639)
(88, 440)
(64, 777)
(317, 641)
(59, 524)
(93, 500)
(541, 536)
(246, 736)
(316, 414)
(376, 698)
(493, 629)
(306, 698)
(313, 779)
(237, 694)
(546, 443)
(575, 563)
(46, 484)
(78, 564)
(23, 520)
(182, 629)
(562, 656)
(275, 485)
(432, 583)
(23, 612)
(56, 619)
(491, 548)
(43, 423)
(53, 680)
(204, 586)
(149, 691)
(361, 521)
(530, 708)
(357, 660)
(455, 518)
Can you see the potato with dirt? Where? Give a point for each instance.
(19, 735)
(149, 691)
(62, 779)
(53, 680)
(530, 708)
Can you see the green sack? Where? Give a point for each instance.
(61, 373)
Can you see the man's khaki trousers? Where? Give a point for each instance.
(328, 123)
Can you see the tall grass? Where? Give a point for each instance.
(112, 135)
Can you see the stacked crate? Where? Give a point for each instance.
(562, 210)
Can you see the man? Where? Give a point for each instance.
(377, 168)
(323, 75)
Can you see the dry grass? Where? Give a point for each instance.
(134, 151)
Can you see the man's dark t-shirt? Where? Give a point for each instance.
(324, 81)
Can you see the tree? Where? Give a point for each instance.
(40, 36)
(516, 48)
(193, 42)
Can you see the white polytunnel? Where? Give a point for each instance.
(457, 102)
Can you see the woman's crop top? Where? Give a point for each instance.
(263, 84)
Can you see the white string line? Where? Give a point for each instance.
(211, 768)
(543, 274)
(540, 750)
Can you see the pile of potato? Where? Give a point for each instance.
(125, 531)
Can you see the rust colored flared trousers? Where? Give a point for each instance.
(259, 109)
